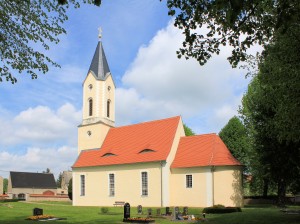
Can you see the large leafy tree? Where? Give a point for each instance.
(234, 135)
(27, 27)
(272, 106)
(238, 23)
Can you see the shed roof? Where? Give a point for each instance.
(32, 180)
(203, 150)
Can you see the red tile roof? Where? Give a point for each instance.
(124, 145)
(203, 150)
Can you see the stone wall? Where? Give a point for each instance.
(1, 185)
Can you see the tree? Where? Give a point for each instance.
(70, 189)
(26, 26)
(47, 171)
(58, 181)
(234, 135)
(5, 184)
(188, 131)
(238, 23)
(268, 108)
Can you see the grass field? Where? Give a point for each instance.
(17, 212)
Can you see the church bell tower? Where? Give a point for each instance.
(98, 112)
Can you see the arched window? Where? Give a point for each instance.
(90, 107)
(108, 107)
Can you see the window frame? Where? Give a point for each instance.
(144, 184)
(82, 185)
(189, 181)
(108, 108)
(111, 186)
(90, 108)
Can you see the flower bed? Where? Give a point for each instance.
(138, 220)
(40, 217)
(43, 217)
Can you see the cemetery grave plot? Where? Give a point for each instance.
(39, 216)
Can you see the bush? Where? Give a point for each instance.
(70, 189)
(11, 200)
(104, 210)
(217, 209)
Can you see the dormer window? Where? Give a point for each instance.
(146, 150)
(108, 154)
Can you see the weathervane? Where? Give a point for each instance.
(100, 33)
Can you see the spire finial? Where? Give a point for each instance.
(100, 33)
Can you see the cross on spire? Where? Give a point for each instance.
(99, 33)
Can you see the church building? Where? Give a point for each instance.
(151, 163)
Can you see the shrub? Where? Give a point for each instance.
(221, 209)
(70, 189)
(104, 210)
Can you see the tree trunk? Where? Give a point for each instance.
(266, 187)
(281, 192)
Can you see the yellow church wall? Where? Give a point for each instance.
(127, 185)
(166, 174)
(93, 130)
(110, 95)
(228, 189)
(100, 92)
(183, 196)
(98, 132)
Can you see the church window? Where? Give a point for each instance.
(189, 181)
(89, 133)
(144, 183)
(108, 107)
(90, 107)
(111, 177)
(90, 86)
(108, 88)
(82, 185)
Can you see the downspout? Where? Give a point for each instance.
(161, 184)
(213, 184)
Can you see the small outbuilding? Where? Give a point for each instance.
(22, 184)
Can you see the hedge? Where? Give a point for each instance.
(219, 209)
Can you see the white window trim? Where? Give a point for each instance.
(141, 192)
(109, 195)
(80, 180)
(185, 183)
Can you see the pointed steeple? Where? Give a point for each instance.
(99, 65)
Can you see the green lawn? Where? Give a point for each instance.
(16, 212)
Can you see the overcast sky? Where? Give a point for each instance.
(39, 118)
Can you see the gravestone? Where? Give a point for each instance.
(149, 212)
(176, 211)
(185, 211)
(140, 209)
(37, 211)
(167, 210)
(126, 210)
(158, 213)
